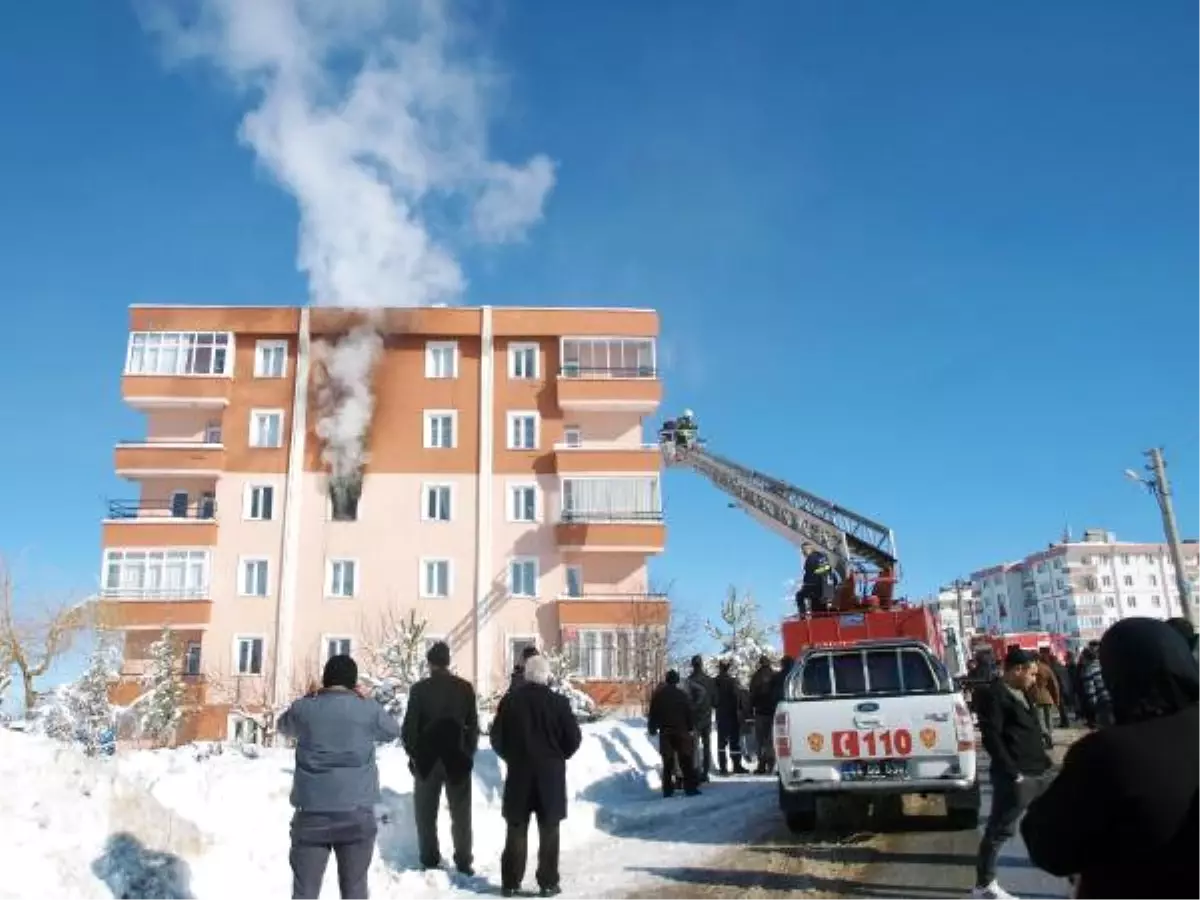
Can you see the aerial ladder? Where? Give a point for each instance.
(862, 551)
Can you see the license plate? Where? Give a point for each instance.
(874, 770)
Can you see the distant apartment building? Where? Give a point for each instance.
(948, 601)
(508, 497)
(1080, 588)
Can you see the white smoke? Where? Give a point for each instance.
(371, 116)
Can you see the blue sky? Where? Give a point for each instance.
(935, 261)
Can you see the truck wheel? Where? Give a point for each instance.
(802, 822)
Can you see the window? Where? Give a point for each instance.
(522, 431)
(179, 353)
(191, 658)
(1041, 567)
(338, 646)
(254, 578)
(270, 359)
(1127, 581)
(156, 574)
(1085, 560)
(440, 428)
(344, 494)
(341, 578)
(1155, 600)
(1131, 602)
(611, 499)
(573, 436)
(249, 655)
(882, 671)
(1059, 584)
(1153, 581)
(435, 578)
(1106, 580)
(523, 360)
(523, 578)
(608, 358)
(574, 581)
(242, 730)
(1058, 563)
(266, 428)
(1125, 559)
(1090, 582)
(1110, 602)
(516, 646)
(522, 503)
(259, 503)
(212, 433)
(441, 359)
(612, 654)
(436, 506)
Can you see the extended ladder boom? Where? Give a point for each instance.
(850, 540)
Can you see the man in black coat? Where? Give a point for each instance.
(762, 698)
(671, 718)
(535, 733)
(1122, 813)
(1014, 741)
(730, 715)
(703, 691)
(440, 735)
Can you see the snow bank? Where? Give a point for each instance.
(203, 827)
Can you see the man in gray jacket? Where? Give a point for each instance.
(336, 782)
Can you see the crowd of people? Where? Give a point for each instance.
(683, 713)
(336, 728)
(1120, 816)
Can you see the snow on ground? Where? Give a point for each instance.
(167, 824)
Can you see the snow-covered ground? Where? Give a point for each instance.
(166, 824)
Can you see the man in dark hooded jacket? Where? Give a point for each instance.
(1122, 813)
(729, 720)
(670, 717)
(440, 735)
(703, 691)
(762, 698)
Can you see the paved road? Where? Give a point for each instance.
(909, 856)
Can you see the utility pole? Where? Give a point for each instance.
(1160, 487)
(959, 584)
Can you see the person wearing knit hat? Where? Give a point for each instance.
(335, 781)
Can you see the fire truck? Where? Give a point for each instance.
(861, 550)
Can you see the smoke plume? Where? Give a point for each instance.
(374, 117)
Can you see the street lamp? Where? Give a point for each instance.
(1158, 485)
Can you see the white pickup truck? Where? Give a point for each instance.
(872, 719)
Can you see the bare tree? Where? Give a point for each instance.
(394, 658)
(32, 640)
(252, 698)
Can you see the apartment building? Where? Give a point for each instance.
(1080, 588)
(947, 602)
(508, 497)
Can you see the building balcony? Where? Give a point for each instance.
(129, 687)
(626, 610)
(609, 389)
(607, 457)
(143, 609)
(611, 532)
(149, 392)
(180, 522)
(188, 457)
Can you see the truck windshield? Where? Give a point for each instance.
(868, 672)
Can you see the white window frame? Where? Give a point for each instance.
(537, 576)
(253, 436)
(510, 422)
(432, 348)
(181, 339)
(243, 562)
(237, 655)
(427, 437)
(236, 721)
(567, 568)
(186, 655)
(156, 559)
(326, 639)
(516, 351)
(248, 502)
(631, 635)
(264, 351)
(574, 368)
(423, 592)
(511, 502)
(526, 640)
(330, 567)
(426, 490)
(573, 436)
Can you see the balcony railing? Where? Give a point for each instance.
(616, 597)
(602, 446)
(587, 517)
(211, 439)
(202, 510)
(155, 595)
(601, 372)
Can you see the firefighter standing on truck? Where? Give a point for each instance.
(816, 591)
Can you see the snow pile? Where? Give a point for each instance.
(194, 822)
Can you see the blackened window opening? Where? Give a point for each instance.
(344, 493)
